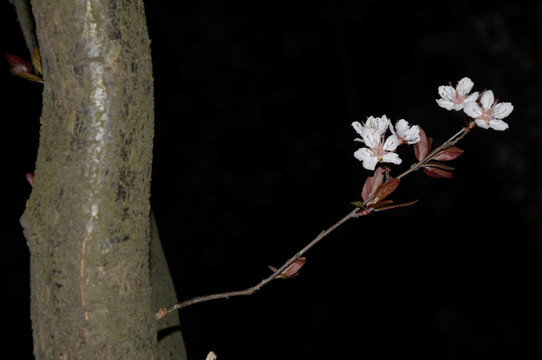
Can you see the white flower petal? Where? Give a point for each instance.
(473, 110)
(472, 97)
(391, 143)
(358, 127)
(481, 123)
(382, 124)
(502, 110)
(365, 155)
(371, 137)
(448, 105)
(498, 125)
(402, 127)
(413, 135)
(487, 99)
(362, 153)
(392, 157)
(446, 92)
(464, 86)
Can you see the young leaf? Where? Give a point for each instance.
(379, 205)
(21, 68)
(438, 165)
(384, 208)
(291, 270)
(448, 154)
(36, 60)
(358, 204)
(437, 173)
(384, 190)
(372, 183)
(29, 76)
(422, 148)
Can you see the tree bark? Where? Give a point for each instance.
(170, 339)
(87, 220)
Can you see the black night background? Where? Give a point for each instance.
(253, 159)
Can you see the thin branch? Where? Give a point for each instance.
(357, 212)
(251, 290)
(448, 143)
(26, 20)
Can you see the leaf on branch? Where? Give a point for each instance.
(358, 204)
(384, 208)
(36, 60)
(422, 148)
(372, 183)
(380, 204)
(21, 68)
(438, 165)
(448, 154)
(290, 271)
(437, 173)
(384, 190)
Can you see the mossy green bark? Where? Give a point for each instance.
(87, 220)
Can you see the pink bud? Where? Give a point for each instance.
(30, 178)
(18, 65)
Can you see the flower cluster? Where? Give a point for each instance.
(486, 112)
(378, 147)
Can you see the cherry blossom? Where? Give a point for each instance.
(406, 134)
(489, 113)
(456, 98)
(377, 149)
(378, 124)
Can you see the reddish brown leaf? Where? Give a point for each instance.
(21, 68)
(372, 183)
(396, 206)
(437, 173)
(384, 190)
(439, 165)
(448, 154)
(422, 148)
(378, 205)
(291, 270)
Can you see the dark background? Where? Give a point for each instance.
(253, 158)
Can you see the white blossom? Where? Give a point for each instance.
(489, 113)
(456, 98)
(377, 149)
(379, 124)
(406, 134)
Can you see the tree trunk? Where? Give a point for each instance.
(170, 339)
(87, 220)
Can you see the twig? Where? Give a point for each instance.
(26, 20)
(357, 212)
(169, 309)
(448, 143)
